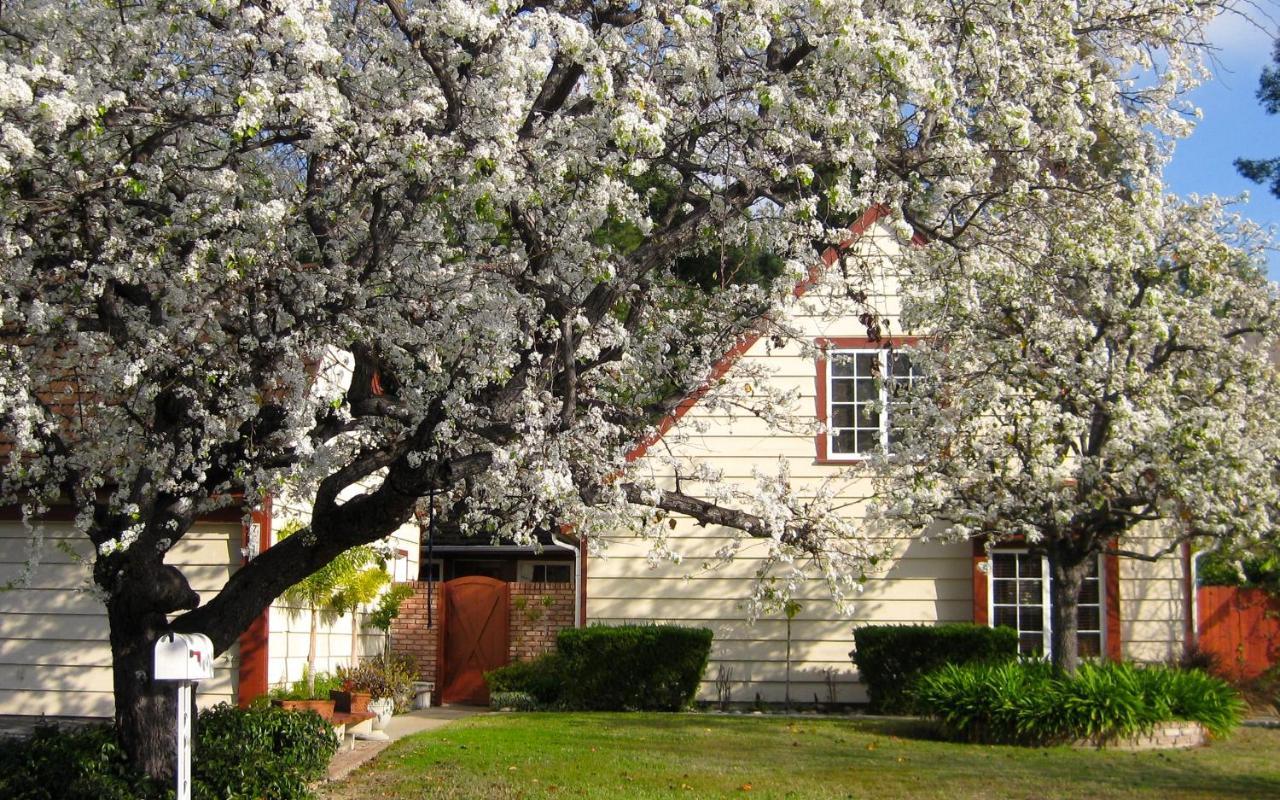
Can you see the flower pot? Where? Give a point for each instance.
(383, 707)
(322, 707)
(352, 702)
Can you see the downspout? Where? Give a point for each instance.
(577, 577)
(1195, 593)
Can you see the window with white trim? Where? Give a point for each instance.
(1019, 597)
(862, 388)
(546, 571)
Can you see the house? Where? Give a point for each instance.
(1130, 610)
(477, 606)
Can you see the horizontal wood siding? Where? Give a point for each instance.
(928, 582)
(55, 655)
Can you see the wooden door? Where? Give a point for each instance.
(476, 616)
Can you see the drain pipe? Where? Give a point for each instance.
(1195, 592)
(577, 577)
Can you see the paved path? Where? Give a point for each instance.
(401, 725)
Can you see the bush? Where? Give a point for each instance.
(891, 657)
(514, 701)
(84, 763)
(632, 668)
(543, 678)
(382, 676)
(259, 752)
(1031, 703)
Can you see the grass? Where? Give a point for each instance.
(503, 756)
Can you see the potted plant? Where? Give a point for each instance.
(312, 693)
(384, 678)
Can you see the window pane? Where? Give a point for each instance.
(1090, 645)
(900, 365)
(1004, 591)
(1030, 619)
(842, 391)
(868, 441)
(868, 364)
(842, 416)
(867, 391)
(1088, 618)
(1031, 644)
(1029, 566)
(1089, 593)
(842, 364)
(1030, 593)
(1004, 565)
(868, 418)
(843, 442)
(556, 573)
(1006, 616)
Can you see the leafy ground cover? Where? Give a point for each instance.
(504, 756)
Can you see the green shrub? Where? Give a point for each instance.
(543, 678)
(633, 667)
(514, 701)
(259, 752)
(84, 763)
(891, 657)
(1031, 703)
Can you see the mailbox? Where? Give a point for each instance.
(184, 657)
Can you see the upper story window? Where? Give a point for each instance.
(862, 386)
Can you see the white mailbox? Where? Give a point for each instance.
(184, 657)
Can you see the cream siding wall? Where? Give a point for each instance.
(55, 654)
(927, 582)
(1153, 612)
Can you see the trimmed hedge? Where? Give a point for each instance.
(891, 657)
(633, 667)
(542, 679)
(1031, 703)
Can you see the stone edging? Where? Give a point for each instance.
(1173, 735)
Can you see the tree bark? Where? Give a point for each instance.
(1068, 569)
(146, 709)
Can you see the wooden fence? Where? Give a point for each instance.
(1242, 628)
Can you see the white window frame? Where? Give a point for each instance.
(521, 565)
(1046, 600)
(884, 380)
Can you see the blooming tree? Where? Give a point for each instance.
(1111, 381)
(364, 251)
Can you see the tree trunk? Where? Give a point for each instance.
(146, 709)
(311, 652)
(1069, 570)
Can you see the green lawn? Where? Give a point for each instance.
(665, 755)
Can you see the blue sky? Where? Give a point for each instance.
(1234, 124)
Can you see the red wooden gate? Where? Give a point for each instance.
(1242, 628)
(476, 617)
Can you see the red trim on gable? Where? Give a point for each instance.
(253, 642)
(718, 370)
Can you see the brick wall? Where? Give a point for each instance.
(410, 634)
(538, 612)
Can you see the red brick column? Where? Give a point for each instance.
(410, 634)
(539, 611)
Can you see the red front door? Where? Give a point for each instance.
(476, 618)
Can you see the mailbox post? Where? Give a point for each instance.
(185, 658)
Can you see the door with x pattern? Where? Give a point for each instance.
(476, 637)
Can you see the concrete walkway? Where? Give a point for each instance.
(401, 725)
